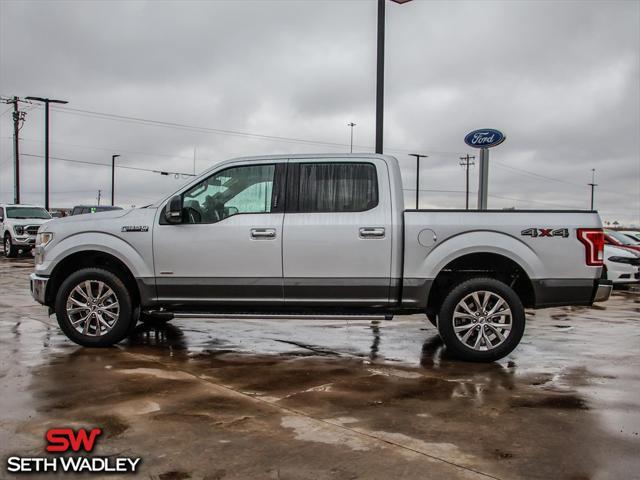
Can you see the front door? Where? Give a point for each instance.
(337, 233)
(228, 249)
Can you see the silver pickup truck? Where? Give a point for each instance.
(318, 235)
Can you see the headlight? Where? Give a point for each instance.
(19, 229)
(43, 239)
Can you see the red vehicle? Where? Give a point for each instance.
(618, 239)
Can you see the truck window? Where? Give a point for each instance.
(336, 187)
(235, 190)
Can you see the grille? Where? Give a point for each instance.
(32, 229)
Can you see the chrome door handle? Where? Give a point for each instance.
(371, 232)
(263, 233)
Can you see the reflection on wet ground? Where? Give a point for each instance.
(305, 399)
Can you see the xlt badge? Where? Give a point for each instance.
(135, 228)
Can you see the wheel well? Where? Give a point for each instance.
(485, 264)
(85, 259)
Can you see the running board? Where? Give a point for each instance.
(271, 316)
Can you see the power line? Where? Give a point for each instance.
(128, 167)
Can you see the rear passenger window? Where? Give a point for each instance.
(336, 187)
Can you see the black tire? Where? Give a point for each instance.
(446, 324)
(10, 250)
(433, 319)
(122, 325)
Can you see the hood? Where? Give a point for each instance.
(101, 221)
(611, 250)
(29, 221)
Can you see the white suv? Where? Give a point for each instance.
(19, 225)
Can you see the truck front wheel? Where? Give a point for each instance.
(481, 320)
(94, 308)
(10, 250)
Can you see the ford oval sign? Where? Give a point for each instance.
(484, 138)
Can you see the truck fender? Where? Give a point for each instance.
(482, 241)
(102, 242)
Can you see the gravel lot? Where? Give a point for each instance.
(330, 400)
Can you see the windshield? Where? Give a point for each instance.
(623, 239)
(27, 212)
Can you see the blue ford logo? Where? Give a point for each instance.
(484, 138)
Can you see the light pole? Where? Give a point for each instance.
(593, 185)
(351, 124)
(380, 74)
(418, 157)
(113, 178)
(46, 102)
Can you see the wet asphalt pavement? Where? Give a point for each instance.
(329, 400)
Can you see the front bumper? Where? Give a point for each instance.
(38, 287)
(603, 290)
(24, 241)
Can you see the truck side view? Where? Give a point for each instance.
(320, 235)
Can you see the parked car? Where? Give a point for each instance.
(19, 225)
(82, 209)
(622, 265)
(320, 235)
(632, 234)
(612, 237)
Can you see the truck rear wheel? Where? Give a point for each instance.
(94, 308)
(481, 320)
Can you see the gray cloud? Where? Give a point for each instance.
(561, 79)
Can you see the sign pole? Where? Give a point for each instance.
(484, 179)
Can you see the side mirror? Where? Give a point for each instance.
(173, 210)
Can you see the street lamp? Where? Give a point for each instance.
(418, 157)
(351, 124)
(113, 178)
(380, 74)
(46, 102)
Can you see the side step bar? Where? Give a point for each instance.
(268, 316)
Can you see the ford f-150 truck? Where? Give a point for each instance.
(19, 225)
(320, 235)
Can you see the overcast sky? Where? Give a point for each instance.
(560, 79)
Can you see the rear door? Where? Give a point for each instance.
(337, 233)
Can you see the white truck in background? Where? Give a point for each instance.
(320, 235)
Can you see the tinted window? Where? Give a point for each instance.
(245, 189)
(336, 187)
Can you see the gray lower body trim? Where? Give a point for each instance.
(369, 292)
(147, 289)
(558, 292)
(219, 291)
(415, 292)
(339, 292)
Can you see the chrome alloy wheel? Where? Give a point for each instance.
(482, 320)
(7, 245)
(92, 308)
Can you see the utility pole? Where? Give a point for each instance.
(466, 163)
(351, 124)
(418, 157)
(593, 185)
(113, 179)
(46, 102)
(99, 196)
(18, 118)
